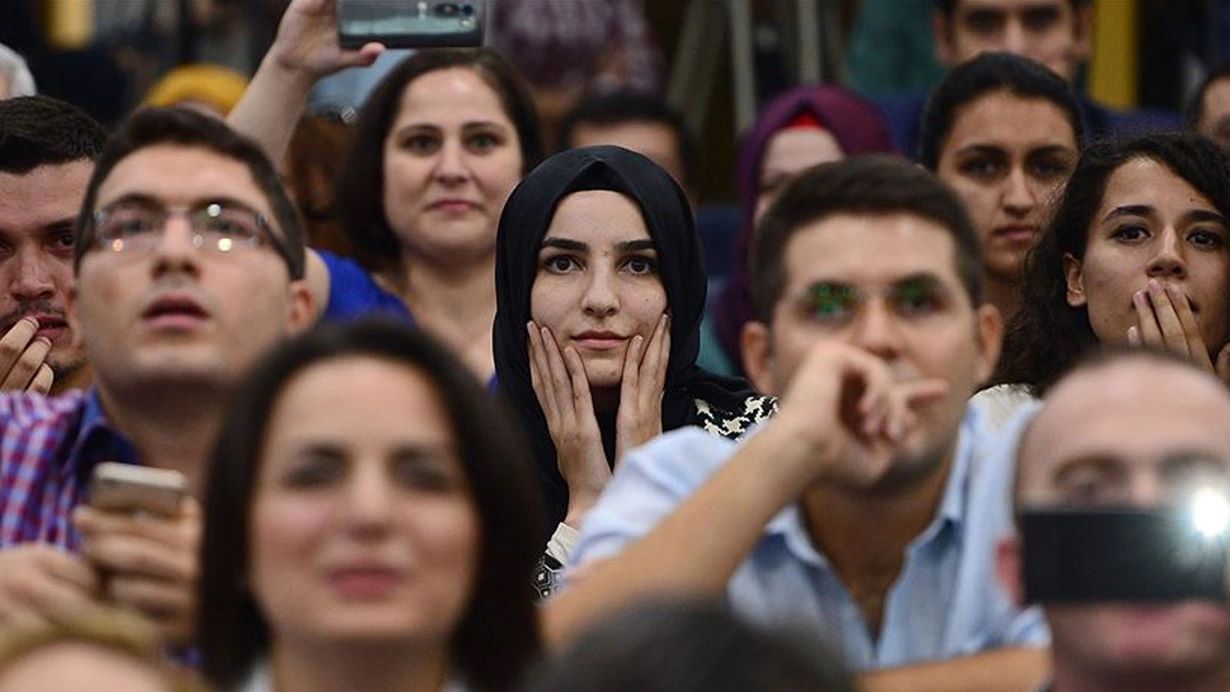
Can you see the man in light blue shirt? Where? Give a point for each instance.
(872, 505)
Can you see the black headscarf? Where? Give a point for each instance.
(524, 222)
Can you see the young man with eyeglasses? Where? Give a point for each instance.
(188, 264)
(862, 508)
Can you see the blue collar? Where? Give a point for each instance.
(790, 526)
(97, 440)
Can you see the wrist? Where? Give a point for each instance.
(799, 452)
(286, 70)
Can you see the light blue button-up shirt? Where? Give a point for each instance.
(946, 602)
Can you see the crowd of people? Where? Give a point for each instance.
(453, 413)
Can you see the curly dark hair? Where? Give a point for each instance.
(1047, 336)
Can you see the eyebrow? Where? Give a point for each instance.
(578, 246)
(1146, 210)
(468, 125)
(1098, 461)
(146, 200)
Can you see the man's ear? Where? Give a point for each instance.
(301, 310)
(1073, 273)
(1008, 568)
(757, 344)
(990, 339)
(941, 33)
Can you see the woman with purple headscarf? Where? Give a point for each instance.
(797, 130)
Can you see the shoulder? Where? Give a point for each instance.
(734, 423)
(23, 410)
(353, 292)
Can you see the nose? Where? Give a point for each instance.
(35, 275)
(451, 166)
(876, 330)
(600, 299)
(1016, 39)
(175, 250)
(1019, 197)
(368, 499)
(1167, 262)
(1146, 490)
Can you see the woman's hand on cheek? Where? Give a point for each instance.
(1164, 319)
(562, 389)
(640, 395)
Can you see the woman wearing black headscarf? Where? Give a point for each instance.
(600, 289)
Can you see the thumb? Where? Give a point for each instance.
(363, 57)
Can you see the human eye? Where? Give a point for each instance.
(1206, 239)
(1039, 19)
(420, 143)
(985, 168)
(61, 241)
(641, 265)
(415, 471)
(1051, 168)
(560, 264)
(1091, 485)
(985, 22)
(1129, 233)
(918, 298)
(483, 141)
(126, 222)
(831, 302)
(221, 221)
(314, 468)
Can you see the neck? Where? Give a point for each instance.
(840, 519)
(358, 667)
(172, 427)
(1069, 676)
(455, 304)
(1004, 295)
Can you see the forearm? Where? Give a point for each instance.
(1017, 669)
(697, 548)
(271, 106)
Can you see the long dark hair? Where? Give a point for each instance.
(1047, 336)
(498, 635)
(360, 187)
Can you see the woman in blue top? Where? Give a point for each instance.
(437, 149)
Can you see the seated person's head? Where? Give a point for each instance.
(47, 151)
(106, 651)
(1004, 133)
(368, 495)
(1129, 429)
(189, 258)
(691, 647)
(1136, 214)
(1209, 113)
(879, 254)
(1056, 33)
(640, 122)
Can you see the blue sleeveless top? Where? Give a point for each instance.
(353, 293)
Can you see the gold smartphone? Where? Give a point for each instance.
(137, 489)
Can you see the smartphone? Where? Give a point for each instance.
(137, 489)
(411, 23)
(1120, 554)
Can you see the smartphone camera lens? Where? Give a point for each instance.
(447, 9)
(467, 9)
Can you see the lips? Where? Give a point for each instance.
(599, 340)
(365, 582)
(1017, 234)
(174, 311)
(454, 205)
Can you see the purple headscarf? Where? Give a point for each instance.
(858, 127)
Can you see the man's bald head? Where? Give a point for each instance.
(1123, 429)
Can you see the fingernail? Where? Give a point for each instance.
(31, 320)
(1154, 287)
(1138, 297)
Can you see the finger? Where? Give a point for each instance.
(134, 556)
(923, 391)
(653, 369)
(14, 343)
(53, 598)
(1167, 319)
(582, 402)
(631, 378)
(1133, 336)
(43, 380)
(156, 599)
(538, 373)
(95, 524)
(27, 364)
(1150, 333)
(1190, 326)
(558, 375)
(72, 570)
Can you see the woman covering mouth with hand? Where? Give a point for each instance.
(600, 290)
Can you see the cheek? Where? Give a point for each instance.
(648, 304)
(286, 532)
(980, 201)
(552, 299)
